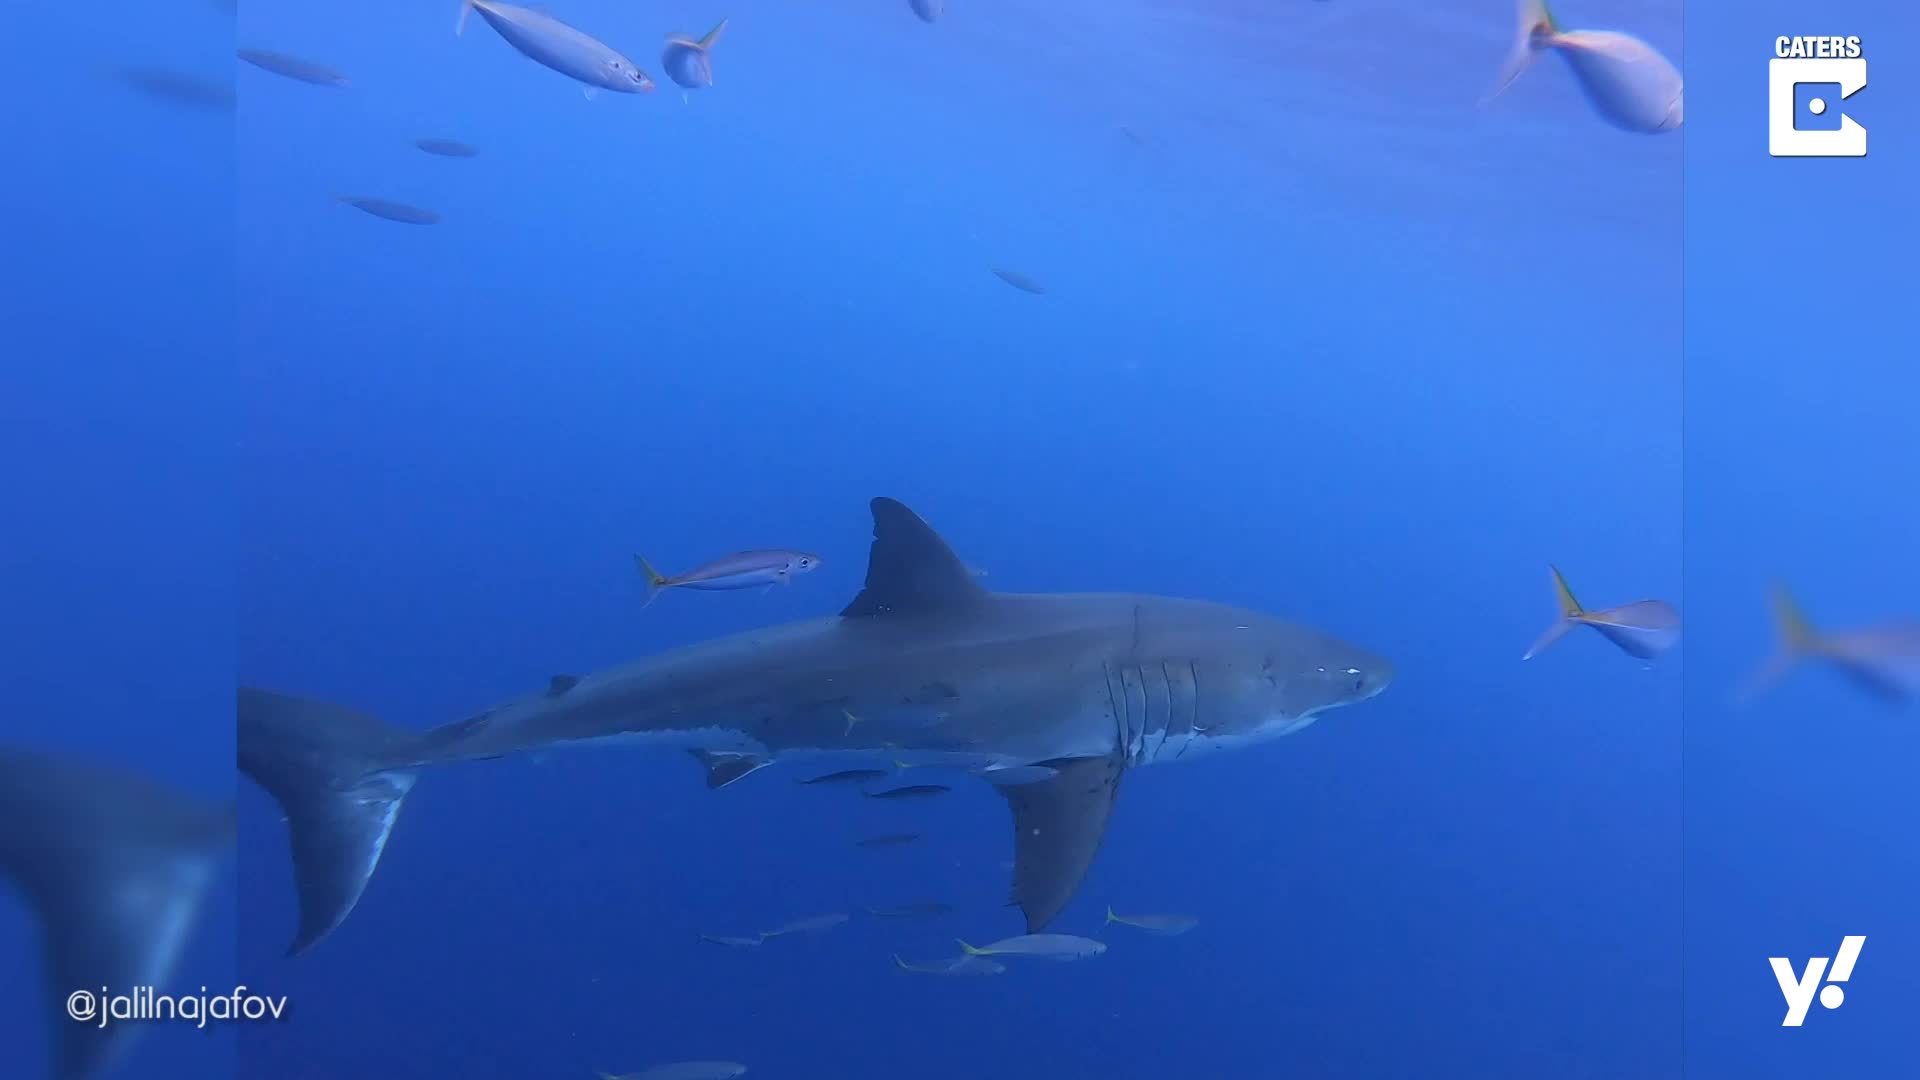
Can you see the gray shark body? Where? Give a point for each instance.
(924, 666)
(116, 867)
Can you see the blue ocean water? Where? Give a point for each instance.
(1319, 338)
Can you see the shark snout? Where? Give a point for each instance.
(1374, 678)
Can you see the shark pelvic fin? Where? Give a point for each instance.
(116, 866)
(341, 776)
(910, 569)
(1057, 828)
(724, 769)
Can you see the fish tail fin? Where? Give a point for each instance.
(970, 950)
(1111, 917)
(1797, 638)
(1536, 24)
(330, 769)
(466, 9)
(654, 581)
(1570, 613)
(117, 869)
(713, 36)
(902, 964)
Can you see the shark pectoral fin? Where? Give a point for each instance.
(724, 769)
(910, 569)
(560, 684)
(332, 771)
(1057, 828)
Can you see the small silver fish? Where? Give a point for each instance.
(689, 62)
(1644, 628)
(292, 67)
(391, 210)
(179, 88)
(812, 924)
(1625, 79)
(1020, 281)
(1016, 775)
(911, 791)
(548, 41)
(1883, 660)
(963, 965)
(742, 942)
(845, 776)
(1164, 925)
(684, 1070)
(928, 10)
(1041, 946)
(447, 148)
(741, 570)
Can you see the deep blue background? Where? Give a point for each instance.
(1326, 341)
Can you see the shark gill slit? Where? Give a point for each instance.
(1138, 729)
(1149, 748)
(1113, 707)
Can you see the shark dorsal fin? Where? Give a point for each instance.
(560, 684)
(910, 569)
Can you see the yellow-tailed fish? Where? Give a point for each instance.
(689, 61)
(389, 209)
(911, 791)
(292, 67)
(553, 44)
(1625, 79)
(1020, 281)
(1883, 659)
(963, 965)
(1164, 925)
(452, 148)
(759, 569)
(1040, 946)
(845, 776)
(1644, 628)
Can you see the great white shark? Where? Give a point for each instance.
(924, 665)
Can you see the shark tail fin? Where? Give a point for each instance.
(1797, 639)
(1570, 615)
(116, 867)
(341, 777)
(466, 9)
(970, 950)
(1536, 26)
(1111, 917)
(651, 577)
(713, 35)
